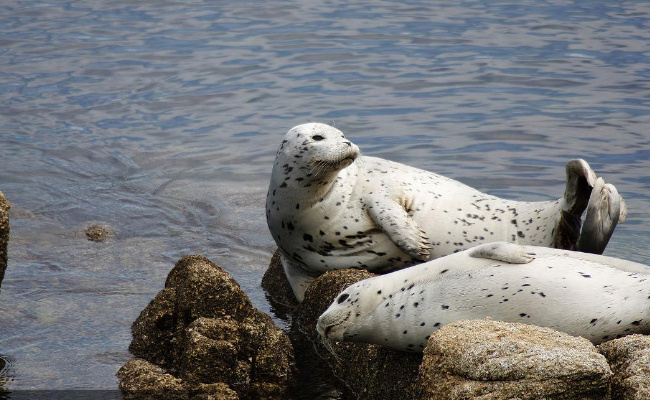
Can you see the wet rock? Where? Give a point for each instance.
(277, 287)
(629, 358)
(140, 379)
(4, 234)
(97, 233)
(368, 371)
(154, 331)
(246, 354)
(488, 359)
(203, 327)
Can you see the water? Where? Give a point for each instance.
(160, 120)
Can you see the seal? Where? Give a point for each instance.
(582, 294)
(329, 208)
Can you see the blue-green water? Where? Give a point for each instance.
(160, 119)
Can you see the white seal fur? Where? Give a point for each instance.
(329, 208)
(593, 296)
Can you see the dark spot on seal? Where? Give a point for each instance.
(308, 237)
(342, 298)
(290, 226)
(444, 307)
(593, 321)
(405, 332)
(443, 271)
(637, 322)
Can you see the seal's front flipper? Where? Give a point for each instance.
(394, 221)
(605, 210)
(502, 251)
(298, 278)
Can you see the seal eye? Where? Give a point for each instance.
(342, 298)
(317, 138)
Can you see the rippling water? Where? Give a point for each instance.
(160, 119)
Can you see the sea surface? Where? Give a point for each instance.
(160, 120)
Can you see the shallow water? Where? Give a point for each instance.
(160, 119)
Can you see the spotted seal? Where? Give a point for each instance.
(329, 208)
(582, 294)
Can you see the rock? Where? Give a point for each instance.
(246, 354)
(368, 371)
(206, 290)
(629, 358)
(97, 233)
(203, 327)
(277, 287)
(142, 380)
(154, 331)
(4, 234)
(485, 359)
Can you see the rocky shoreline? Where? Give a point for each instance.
(200, 338)
(4, 234)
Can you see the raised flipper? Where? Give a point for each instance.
(394, 221)
(605, 210)
(298, 278)
(580, 179)
(502, 251)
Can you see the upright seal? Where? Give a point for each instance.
(330, 208)
(593, 296)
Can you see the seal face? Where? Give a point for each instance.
(593, 296)
(330, 208)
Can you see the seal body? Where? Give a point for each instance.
(582, 294)
(330, 208)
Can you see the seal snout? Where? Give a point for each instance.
(329, 325)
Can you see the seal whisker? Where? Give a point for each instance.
(327, 343)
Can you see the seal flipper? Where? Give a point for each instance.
(580, 179)
(605, 210)
(502, 251)
(298, 278)
(394, 221)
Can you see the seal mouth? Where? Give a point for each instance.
(326, 332)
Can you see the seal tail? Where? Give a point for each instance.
(605, 209)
